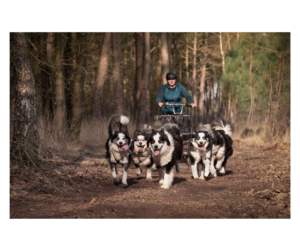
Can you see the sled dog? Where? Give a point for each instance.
(166, 147)
(141, 155)
(117, 145)
(222, 145)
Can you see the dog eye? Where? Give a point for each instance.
(118, 138)
(159, 141)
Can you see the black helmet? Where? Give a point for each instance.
(171, 75)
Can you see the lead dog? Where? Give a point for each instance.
(140, 153)
(117, 145)
(166, 147)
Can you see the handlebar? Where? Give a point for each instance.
(187, 104)
(182, 105)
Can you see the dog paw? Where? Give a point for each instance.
(165, 187)
(149, 178)
(222, 170)
(195, 177)
(161, 182)
(116, 180)
(201, 178)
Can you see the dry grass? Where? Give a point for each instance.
(262, 138)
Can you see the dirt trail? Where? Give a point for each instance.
(256, 185)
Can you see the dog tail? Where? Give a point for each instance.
(222, 125)
(118, 123)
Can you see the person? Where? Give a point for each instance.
(172, 92)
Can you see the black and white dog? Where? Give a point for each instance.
(210, 146)
(140, 153)
(117, 146)
(166, 147)
(200, 151)
(222, 146)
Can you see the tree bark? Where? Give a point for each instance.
(187, 63)
(25, 134)
(142, 104)
(195, 96)
(77, 97)
(171, 66)
(222, 53)
(60, 116)
(117, 74)
(139, 70)
(101, 76)
(164, 57)
(51, 87)
(202, 83)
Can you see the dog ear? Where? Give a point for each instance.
(193, 135)
(162, 131)
(153, 131)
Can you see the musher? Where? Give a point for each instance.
(172, 92)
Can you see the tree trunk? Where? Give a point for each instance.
(25, 135)
(139, 70)
(77, 97)
(60, 116)
(195, 83)
(174, 57)
(171, 66)
(187, 63)
(51, 86)
(141, 119)
(164, 57)
(101, 76)
(222, 53)
(117, 74)
(202, 83)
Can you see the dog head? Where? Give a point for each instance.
(157, 141)
(140, 142)
(121, 140)
(201, 140)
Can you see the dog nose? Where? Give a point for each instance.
(140, 143)
(155, 147)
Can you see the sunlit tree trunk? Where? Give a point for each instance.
(117, 74)
(25, 135)
(222, 52)
(195, 95)
(101, 75)
(202, 83)
(187, 62)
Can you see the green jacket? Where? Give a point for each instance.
(166, 94)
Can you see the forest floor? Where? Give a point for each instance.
(78, 184)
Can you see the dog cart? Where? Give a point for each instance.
(183, 121)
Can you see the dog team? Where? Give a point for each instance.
(210, 147)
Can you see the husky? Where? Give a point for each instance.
(166, 147)
(200, 151)
(222, 145)
(140, 153)
(117, 145)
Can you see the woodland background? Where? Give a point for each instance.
(64, 85)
